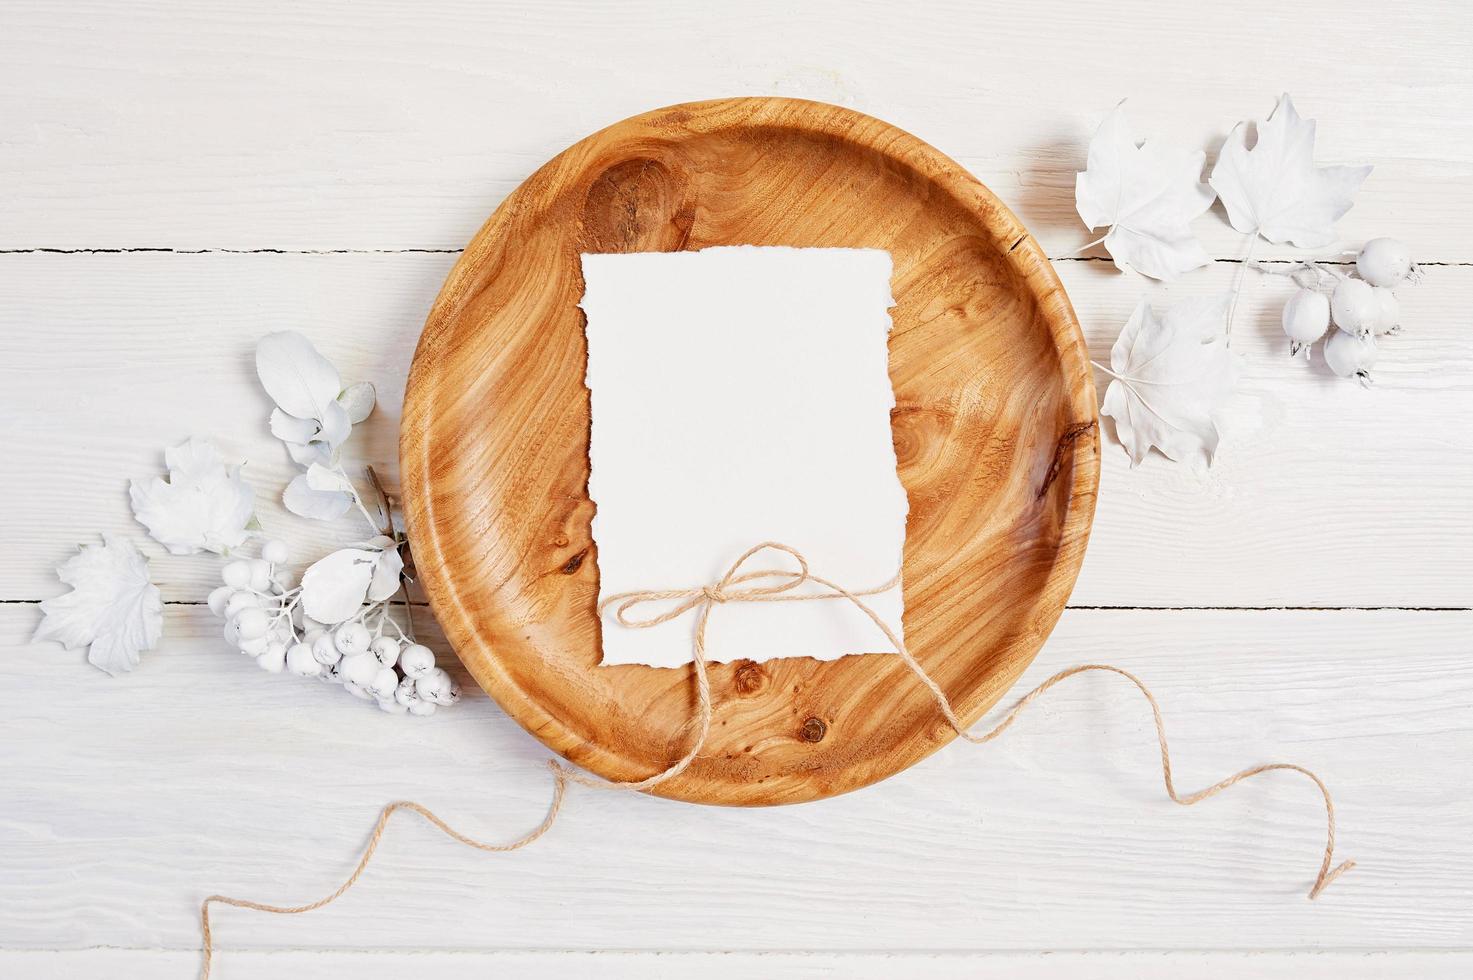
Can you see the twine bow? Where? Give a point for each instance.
(703, 597)
(737, 586)
(722, 591)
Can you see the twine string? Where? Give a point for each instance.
(782, 586)
(559, 788)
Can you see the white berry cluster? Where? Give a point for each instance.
(264, 619)
(1361, 309)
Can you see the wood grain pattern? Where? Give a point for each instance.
(425, 115)
(140, 964)
(128, 799)
(995, 434)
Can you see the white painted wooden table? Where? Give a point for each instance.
(177, 179)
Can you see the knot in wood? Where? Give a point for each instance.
(749, 679)
(813, 730)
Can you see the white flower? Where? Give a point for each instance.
(314, 413)
(204, 505)
(113, 608)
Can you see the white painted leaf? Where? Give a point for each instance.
(320, 477)
(302, 499)
(1147, 195)
(305, 454)
(335, 426)
(314, 415)
(289, 428)
(193, 461)
(1275, 189)
(113, 608)
(204, 505)
(300, 380)
(1170, 378)
(358, 401)
(334, 587)
(385, 575)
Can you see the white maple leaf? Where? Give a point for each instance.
(1275, 190)
(204, 505)
(314, 414)
(334, 588)
(1170, 377)
(1147, 195)
(113, 608)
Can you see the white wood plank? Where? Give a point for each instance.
(341, 124)
(126, 800)
(1324, 494)
(119, 964)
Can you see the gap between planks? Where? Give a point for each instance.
(416, 250)
(422, 604)
(848, 951)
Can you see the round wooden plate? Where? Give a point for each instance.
(995, 430)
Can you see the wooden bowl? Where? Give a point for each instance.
(995, 431)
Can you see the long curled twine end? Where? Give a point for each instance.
(783, 587)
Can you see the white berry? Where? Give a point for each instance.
(218, 598)
(236, 574)
(1388, 311)
(360, 668)
(1306, 318)
(241, 599)
(405, 693)
(391, 706)
(274, 551)
(352, 638)
(386, 649)
(385, 683)
(1383, 262)
(1354, 306)
(254, 647)
(422, 708)
(1347, 355)
(273, 659)
(438, 687)
(357, 690)
(416, 660)
(251, 623)
(299, 660)
(325, 651)
(260, 575)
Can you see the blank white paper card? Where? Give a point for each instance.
(742, 394)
